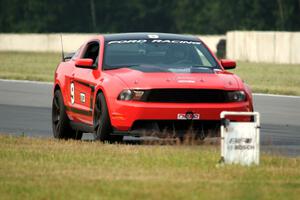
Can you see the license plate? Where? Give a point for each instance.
(188, 116)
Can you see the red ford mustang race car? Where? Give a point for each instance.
(137, 83)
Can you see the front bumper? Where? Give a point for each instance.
(123, 114)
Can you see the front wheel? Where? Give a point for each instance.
(60, 121)
(102, 121)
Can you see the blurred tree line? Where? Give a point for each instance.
(181, 16)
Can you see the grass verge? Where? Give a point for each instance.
(270, 78)
(264, 78)
(50, 169)
(28, 65)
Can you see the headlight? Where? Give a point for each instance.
(236, 96)
(127, 95)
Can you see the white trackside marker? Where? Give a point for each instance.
(240, 140)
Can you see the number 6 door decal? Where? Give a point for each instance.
(72, 89)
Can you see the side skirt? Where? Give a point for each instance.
(82, 127)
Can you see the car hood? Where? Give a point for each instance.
(135, 79)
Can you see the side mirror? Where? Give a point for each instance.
(228, 64)
(84, 63)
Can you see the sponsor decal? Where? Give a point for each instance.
(152, 36)
(185, 81)
(241, 144)
(188, 116)
(175, 41)
(152, 41)
(126, 41)
(82, 97)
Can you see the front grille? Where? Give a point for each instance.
(185, 96)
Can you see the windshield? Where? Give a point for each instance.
(159, 56)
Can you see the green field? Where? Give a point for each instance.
(28, 66)
(270, 78)
(51, 169)
(264, 78)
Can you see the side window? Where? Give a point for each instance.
(92, 52)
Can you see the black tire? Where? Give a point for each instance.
(76, 134)
(60, 121)
(102, 121)
(116, 138)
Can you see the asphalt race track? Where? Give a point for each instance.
(25, 108)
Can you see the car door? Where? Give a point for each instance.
(84, 81)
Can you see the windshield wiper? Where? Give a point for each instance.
(119, 66)
(202, 67)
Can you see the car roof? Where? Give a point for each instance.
(138, 36)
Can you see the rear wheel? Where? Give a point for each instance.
(102, 121)
(60, 121)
